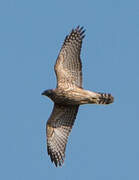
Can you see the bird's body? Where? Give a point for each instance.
(78, 96)
(68, 96)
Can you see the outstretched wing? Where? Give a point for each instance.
(58, 128)
(68, 65)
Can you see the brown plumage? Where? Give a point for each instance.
(68, 95)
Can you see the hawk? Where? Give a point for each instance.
(68, 95)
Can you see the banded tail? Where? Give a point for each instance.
(90, 97)
(104, 98)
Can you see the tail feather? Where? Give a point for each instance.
(104, 98)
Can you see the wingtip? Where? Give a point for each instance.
(58, 162)
(81, 30)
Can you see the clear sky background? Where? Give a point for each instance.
(104, 143)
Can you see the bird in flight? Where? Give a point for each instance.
(68, 95)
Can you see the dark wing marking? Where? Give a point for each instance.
(68, 65)
(58, 128)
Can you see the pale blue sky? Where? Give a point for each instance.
(104, 143)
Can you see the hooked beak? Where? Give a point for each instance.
(43, 93)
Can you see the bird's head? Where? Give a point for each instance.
(48, 92)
